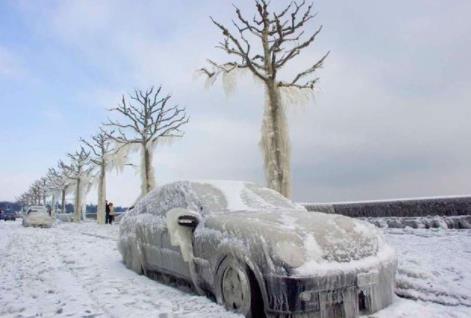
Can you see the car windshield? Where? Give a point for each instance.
(211, 197)
(221, 196)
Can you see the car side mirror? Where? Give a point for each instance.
(188, 221)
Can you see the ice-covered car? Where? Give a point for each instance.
(258, 253)
(37, 216)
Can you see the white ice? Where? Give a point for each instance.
(75, 270)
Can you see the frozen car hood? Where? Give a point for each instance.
(297, 237)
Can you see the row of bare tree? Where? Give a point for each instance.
(145, 118)
(264, 45)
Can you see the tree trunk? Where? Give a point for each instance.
(147, 173)
(63, 201)
(100, 217)
(78, 202)
(53, 205)
(275, 142)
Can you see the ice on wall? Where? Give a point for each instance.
(421, 222)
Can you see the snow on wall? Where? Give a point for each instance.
(447, 222)
(458, 205)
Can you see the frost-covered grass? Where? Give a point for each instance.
(434, 265)
(75, 270)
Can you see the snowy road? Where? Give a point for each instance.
(76, 271)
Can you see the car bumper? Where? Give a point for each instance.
(337, 295)
(37, 223)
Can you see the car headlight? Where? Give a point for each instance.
(289, 253)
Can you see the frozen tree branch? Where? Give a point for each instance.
(99, 146)
(146, 118)
(148, 121)
(275, 32)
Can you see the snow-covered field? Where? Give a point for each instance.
(75, 270)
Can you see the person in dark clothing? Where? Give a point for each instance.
(110, 205)
(107, 210)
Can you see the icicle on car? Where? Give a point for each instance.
(257, 252)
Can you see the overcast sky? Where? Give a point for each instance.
(390, 117)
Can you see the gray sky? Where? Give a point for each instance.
(390, 116)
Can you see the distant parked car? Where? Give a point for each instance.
(37, 216)
(7, 215)
(257, 252)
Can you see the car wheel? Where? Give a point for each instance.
(237, 289)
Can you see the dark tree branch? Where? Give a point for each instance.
(280, 34)
(148, 120)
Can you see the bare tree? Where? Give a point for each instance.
(57, 183)
(78, 171)
(25, 199)
(101, 149)
(36, 192)
(280, 37)
(148, 119)
(44, 189)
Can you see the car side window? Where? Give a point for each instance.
(161, 201)
(207, 198)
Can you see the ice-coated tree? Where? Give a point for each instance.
(147, 119)
(57, 183)
(36, 192)
(101, 150)
(78, 171)
(44, 189)
(264, 45)
(25, 199)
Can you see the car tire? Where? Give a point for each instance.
(237, 289)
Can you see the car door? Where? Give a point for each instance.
(149, 241)
(147, 236)
(172, 257)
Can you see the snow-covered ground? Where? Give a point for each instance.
(75, 270)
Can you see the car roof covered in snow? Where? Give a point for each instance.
(213, 196)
